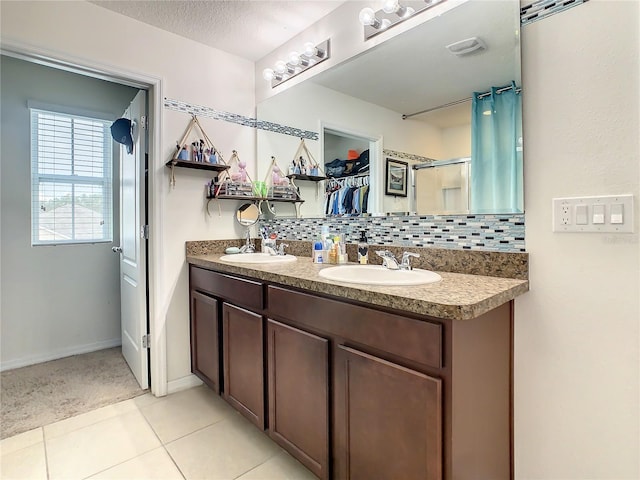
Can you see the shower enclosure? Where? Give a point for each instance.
(442, 187)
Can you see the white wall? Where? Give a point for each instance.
(86, 32)
(577, 359)
(56, 300)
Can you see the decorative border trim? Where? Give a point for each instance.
(202, 111)
(545, 8)
(406, 156)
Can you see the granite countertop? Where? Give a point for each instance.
(458, 296)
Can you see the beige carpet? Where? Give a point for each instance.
(38, 395)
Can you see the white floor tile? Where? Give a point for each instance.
(85, 419)
(224, 450)
(146, 399)
(28, 463)
(185, 412)
(20, 441)
(280, 467)
(92, 449)
(153, 465)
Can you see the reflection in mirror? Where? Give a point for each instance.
(397, 91)
(247, 214)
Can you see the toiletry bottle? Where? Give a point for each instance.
(363, 249)
(318, 250)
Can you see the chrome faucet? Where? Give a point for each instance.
(406, 260)
(281, 248)
(271, 250)
(248, 246)
(388, 259)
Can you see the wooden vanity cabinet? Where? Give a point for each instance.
(298, 385)
(357, 392)
(236, 304)
(388, 419)
(243, 363)
(205, 340)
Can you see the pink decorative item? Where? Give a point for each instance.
(243, 172)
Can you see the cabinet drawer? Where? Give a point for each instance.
(237, 290)
(414, 340)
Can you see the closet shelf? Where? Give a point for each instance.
(198, 165)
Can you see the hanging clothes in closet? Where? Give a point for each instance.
(347, 195)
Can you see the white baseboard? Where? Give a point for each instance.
(183, 383)
(60, 353)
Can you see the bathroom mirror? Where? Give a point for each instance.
(247, 214)
(380, 93)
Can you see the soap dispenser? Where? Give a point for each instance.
(363, 249)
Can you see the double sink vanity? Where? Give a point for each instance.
(362, 381)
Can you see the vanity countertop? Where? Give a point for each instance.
(458, 296)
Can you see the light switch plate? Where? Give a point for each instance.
(604, 214)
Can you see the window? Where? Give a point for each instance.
(71, 185)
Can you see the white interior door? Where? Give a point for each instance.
(133, 288)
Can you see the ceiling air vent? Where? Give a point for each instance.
(467, 46)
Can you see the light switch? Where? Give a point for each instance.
(598, 214)
(595, 214)
(617, 213)
(582, 215)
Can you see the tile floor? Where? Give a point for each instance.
(192, 434)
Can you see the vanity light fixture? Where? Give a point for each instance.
(392, 13)
(297, 63)
(393, 6)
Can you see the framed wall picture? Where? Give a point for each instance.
(397, 173)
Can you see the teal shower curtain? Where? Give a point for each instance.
(496, 152)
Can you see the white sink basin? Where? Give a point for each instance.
(257, 258)
(378, 275)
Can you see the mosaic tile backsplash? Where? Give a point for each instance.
(497, 233)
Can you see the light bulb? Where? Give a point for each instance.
(368, 17)
(294, 58)
(268, 74)
(390, 6)
(309, 49)
(408, 11)
(281, 67)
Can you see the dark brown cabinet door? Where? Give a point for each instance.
(204, 339)
(243, 362)
(388, 420)
(298, 382)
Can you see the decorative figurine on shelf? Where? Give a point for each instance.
(211, 155)
(184, 153)
(277, 176)
(240, 176)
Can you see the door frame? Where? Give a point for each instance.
(155, 200)
(375, 157)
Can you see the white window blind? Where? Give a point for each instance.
(71, 180)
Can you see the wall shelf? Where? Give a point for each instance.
(216, 167)
(255, 199)
(310, 178)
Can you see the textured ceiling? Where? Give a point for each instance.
(250, 29)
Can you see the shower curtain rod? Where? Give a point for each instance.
(457, 102)
(442, 163)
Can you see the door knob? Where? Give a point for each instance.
(116, 249)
